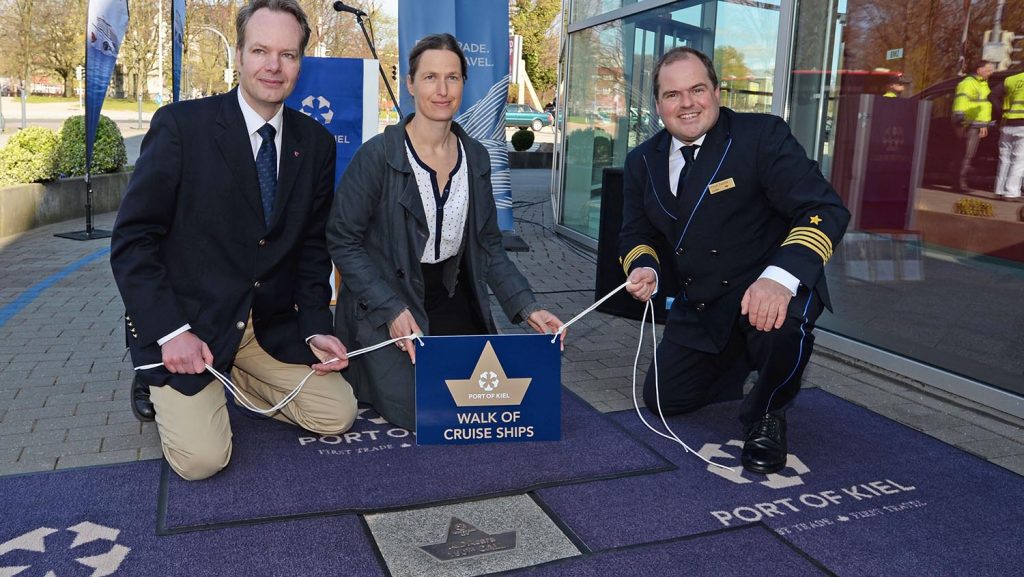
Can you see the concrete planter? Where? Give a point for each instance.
(26, 206)
(529, 159)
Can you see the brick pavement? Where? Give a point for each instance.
(64, 374)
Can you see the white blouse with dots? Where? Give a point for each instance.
(446, 210)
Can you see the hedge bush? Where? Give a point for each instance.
(522, 139)
(30, 156)
(108, 153)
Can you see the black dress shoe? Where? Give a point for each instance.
(142, 407)
(764, 450)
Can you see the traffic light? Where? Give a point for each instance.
(394, 72)
(998, 49)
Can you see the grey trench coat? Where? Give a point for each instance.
(376, 235)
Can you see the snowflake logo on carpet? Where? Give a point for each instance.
(794, 466)
(318, 108)
(488, 381)
(35, 541)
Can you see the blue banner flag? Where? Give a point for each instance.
(481, 27)
(177, 43)
(488, 389)
(341, 94)
(106, 22)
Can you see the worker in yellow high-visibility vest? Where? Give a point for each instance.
(972, 116)
(1011, 140)
(897, 87)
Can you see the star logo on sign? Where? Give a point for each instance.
(815, 219)
(488, 375)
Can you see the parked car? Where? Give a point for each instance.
(524, 115)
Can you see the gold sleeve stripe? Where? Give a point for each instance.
(636, 253)
(800, 236)
(826, 242)
(815, 232)
(814, 247)
(817, 250)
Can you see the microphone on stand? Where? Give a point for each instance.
(340, 6)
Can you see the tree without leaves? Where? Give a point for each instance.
(533, 21)
(63, 44)
(19, 43)
(138, 54)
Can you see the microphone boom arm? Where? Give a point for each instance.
(380, 67)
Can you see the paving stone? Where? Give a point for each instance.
(90, 459)
(994, 448)
(956, 436)
(102, 431)
(27, 467)
(74, 421)
(400, 537)
(41, 413)
(9, 454)
(1014, 463)
(60, 449)
(78, 398)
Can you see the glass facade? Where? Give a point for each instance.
(609, 106)
(932, 268)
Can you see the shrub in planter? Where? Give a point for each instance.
(29, 157)
(522, 139)
(108, 153)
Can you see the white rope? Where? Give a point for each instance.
(587, 311)
(672, 436)
(248, 404)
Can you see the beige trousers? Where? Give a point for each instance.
(195, 432)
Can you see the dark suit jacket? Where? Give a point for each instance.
(190, 244)
(752, 199)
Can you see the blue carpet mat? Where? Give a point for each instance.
(861, 494)
(99, 521)
(279, 471)
(723, 554)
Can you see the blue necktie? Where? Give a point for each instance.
(266, 170)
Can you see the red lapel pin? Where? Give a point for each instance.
(296, 154)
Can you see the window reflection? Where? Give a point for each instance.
(934, 262)
(610, 107)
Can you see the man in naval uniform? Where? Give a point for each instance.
(752, 222)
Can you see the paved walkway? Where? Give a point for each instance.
(64, 377)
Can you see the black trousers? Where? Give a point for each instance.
(690, 379)
(457, 314)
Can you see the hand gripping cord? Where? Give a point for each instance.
(248, 404)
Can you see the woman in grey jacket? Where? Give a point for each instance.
(414, 233)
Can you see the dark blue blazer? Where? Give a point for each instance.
(190, 244)
(752, 199)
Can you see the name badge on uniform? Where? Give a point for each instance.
(721, 185)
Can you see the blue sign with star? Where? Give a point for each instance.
(488, 389)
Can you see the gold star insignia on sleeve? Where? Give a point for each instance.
(815, 219)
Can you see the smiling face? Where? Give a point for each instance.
(268, 64)
(437, 85)
(687, 100)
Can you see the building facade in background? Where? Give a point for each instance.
(929, 276)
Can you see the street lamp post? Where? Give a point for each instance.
(227, 54)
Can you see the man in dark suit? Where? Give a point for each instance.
(219, 253)
(752, 222)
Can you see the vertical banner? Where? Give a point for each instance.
(481, 27)
(341, 94)
(106, 22)
(177, 43)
